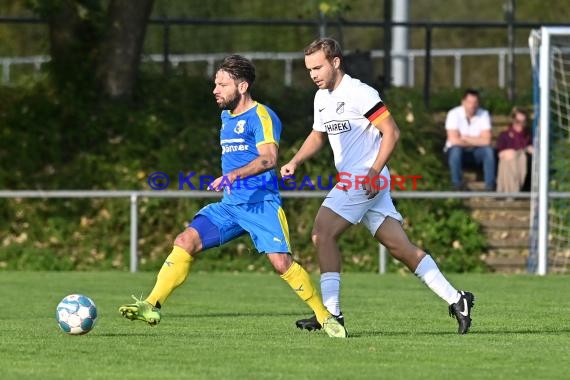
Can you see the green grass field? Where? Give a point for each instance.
(241, 326)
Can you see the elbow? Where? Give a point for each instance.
(396, 134)
(269, 162)
(320, 138)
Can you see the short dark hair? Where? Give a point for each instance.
(239, 68)
(329, 46)
(471, 91)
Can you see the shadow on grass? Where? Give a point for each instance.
(235, 315)
(117, 334)
(370, 334)
(522, 331)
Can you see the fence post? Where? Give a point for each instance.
(501, 69)
(387, 44)
(165, 46)
(411, 70)
(134, 233)
(427, 67)
(5, 72)
(510, 16)
(457, 71)
(381, 259)
(210, 68)
(322, 24)
(288, 76)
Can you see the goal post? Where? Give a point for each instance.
(550, 216)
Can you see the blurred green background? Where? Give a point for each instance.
(63, 134)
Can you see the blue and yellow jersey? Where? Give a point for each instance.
(240, 136)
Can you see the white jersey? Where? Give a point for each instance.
(348, 114)
(456, 119)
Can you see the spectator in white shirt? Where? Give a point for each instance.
(469, 141)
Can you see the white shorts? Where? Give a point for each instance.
(354, 206)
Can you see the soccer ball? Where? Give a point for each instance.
(76, 314)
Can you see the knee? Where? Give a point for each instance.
(507, 155)
(281, 262)
(315, 238)
(189, 240)
(489, 153)
(399, 247)
(454, 154)
(320, 236)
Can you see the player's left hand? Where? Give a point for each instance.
(224, 181)
(373, 185)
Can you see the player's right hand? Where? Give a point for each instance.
(288, 169)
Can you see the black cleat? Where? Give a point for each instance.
(309, 323)
(462, 311)
(312, 323)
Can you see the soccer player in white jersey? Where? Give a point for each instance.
(363, 135)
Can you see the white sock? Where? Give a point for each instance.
(429, 273)
(330, 290)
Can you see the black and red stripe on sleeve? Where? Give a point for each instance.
(377, 113)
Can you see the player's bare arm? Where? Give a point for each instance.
(390, 136)
(313, 143)
(267, 160)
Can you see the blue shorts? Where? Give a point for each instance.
(266, 223)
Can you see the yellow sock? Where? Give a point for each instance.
(173, 273)
(299, 280)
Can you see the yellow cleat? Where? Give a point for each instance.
(333, 328)
(142, 311)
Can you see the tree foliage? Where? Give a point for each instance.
(95, 46)
(57, 143)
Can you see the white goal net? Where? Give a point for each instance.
(550, 198)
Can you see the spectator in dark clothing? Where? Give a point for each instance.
(514, 147)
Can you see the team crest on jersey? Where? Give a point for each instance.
(240, 127)
(340, 107)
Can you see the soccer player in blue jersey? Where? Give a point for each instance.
(249, 138)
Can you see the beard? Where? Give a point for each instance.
(230, 103)
(330, 84)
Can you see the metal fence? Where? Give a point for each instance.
(288, 58)
(134, 197)
(506, 71)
